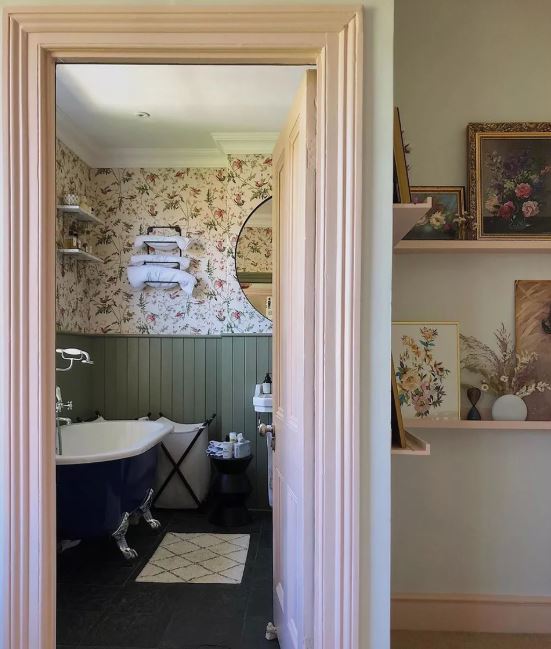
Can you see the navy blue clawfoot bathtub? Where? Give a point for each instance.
(105, 475)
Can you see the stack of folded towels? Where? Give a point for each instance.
(214, 449)
(164, 270)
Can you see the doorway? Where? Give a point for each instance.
(164, 188)
(170, 35)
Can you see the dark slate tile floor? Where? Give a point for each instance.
(100, 606)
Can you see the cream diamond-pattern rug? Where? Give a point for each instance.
(198, 559)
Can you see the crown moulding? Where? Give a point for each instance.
(99, 157)
(243, 143)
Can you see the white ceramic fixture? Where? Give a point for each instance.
(262, 402)
(109, 440)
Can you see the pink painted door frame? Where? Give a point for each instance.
(34, 39)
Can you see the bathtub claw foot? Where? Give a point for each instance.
(153, 523)
(120, 539)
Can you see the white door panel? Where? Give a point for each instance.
(294, 240)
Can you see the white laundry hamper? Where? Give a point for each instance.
(186, 486)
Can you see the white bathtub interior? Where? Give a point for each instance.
(109, 440)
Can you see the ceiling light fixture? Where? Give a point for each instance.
(143, 114)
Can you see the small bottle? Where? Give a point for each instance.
(267, 384)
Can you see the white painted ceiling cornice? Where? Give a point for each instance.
(228, 144)
(76, 140)
(242, 143)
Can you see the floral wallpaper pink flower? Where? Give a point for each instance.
(210, 205)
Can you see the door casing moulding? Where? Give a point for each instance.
(34, 39)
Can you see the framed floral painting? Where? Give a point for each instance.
(426, 357)
(510, 179)
(443, 220)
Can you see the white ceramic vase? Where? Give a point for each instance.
(509, 407)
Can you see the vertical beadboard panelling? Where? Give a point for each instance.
(238, 383)
(211, 384)
(250, 424)
(186, 378)
(133, 377)
(199, 382)
(155, 376)
(189, 380)
(225, 377)
(97, 353)
(166, 406)
(143, 377)
(110, 378)
(178, 378)
(121, 380)
(263, 365)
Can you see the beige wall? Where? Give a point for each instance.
(467, 61)
(472, 518)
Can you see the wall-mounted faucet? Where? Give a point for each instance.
(70, 354)
(59, 407)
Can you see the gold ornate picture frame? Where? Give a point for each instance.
(509, 169)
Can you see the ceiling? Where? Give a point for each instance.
(198, 113)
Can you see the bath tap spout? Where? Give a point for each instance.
(58, 438)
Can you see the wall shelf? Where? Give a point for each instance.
(465, 247)
(79, 214)
(418, 426)
(405, 216)
(79, 255)
(414, 446)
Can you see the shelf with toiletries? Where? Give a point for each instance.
(78, 219)
(80, 255)
(79, 213)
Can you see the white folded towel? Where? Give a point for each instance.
(161, 242)
(140, 276)
(140, 260)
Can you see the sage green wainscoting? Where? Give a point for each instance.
(187, 378)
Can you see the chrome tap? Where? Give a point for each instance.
(59, 407)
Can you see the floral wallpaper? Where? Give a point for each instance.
(72, 283)
(254, 250)
(210, 205)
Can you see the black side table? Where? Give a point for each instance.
(230, 489)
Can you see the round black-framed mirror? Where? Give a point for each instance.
(253, 258)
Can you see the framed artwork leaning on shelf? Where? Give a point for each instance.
(509, 169)
(444, 219)
(533, 337)
(397, 423)
(427, 369)
(401, 193)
